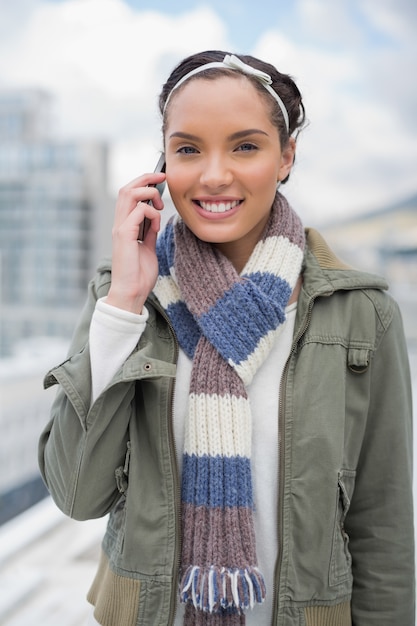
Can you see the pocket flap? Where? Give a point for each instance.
(358, 359)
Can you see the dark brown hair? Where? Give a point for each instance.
(283, 84)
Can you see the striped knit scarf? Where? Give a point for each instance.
(227, 323)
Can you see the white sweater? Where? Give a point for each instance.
(113, 336)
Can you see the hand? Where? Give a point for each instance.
(134, 264)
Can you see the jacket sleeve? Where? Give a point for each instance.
(380, 520)
(78, 438)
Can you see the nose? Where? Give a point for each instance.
(216, 172)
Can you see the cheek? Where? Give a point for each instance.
(260, 173)
(262, 187)
(264, 174)
(178, 180)
(173, 187)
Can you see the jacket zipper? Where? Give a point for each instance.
(177, 552)
(177, 487)
(281, 437)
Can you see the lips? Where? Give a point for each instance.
(218, 207)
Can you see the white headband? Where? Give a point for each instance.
(232, 62)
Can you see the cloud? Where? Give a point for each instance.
(397, 18)
(315, 16)
(360, 148)
(105, 62)
(102, 51)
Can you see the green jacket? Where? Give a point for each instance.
(345, 497)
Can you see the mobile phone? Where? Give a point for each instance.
(144, 226)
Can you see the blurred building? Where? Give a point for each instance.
(55, 226)
(55, 220)
(384, 241)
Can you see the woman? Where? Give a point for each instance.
(290, 425)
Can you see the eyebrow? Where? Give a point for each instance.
(238, 135)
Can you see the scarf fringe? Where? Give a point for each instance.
(213, 589)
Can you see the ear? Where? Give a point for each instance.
(287, 159)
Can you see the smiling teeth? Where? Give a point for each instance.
(218, 207)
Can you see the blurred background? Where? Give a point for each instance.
(79, 82)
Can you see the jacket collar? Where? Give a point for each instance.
(324, 272)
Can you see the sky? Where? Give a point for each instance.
(355, 62)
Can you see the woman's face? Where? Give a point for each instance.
(223, 161)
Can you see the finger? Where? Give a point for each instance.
(154, 178)
(153, 226)
(130, 198)
(149, 240)
(128, 228)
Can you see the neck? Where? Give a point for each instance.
(234, 253)
(239, 251)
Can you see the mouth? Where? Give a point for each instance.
(218, 207)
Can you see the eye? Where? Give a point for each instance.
(246, 147)
(187, 150)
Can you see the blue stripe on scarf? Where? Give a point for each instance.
(237, 321)
(272, 285)
(185, 326)
(217, 481)
(165, 248)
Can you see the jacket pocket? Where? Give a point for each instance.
(117, 518)
(341, 560)
(121, 473)
(115, 534)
